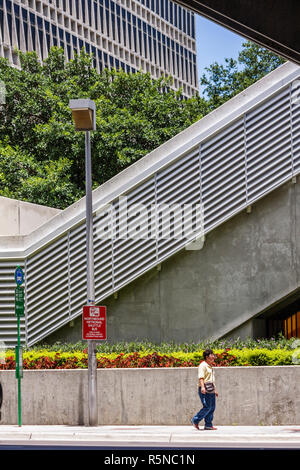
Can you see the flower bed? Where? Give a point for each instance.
(43, 359)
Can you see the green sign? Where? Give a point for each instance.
(19, 362)
(19, 301)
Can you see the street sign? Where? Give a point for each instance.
(94, 323)
(19, 361)
(19, 276)
(19, 301)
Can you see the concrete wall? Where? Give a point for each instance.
(247, 396)
(22, 218)
(247, 264)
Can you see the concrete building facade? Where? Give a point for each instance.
(155, 36)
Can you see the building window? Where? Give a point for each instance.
(33, 36)
(77, 8)
(95, 15)
(83, 10)
(90, 12)
(8, 5)
(292, 326)
(193, 27)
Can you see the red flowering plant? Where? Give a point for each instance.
(152, 360)
(224, 359)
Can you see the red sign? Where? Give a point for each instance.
(94, 322)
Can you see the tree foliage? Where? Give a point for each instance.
(22, 177)
(135, 114)
(41, 154)
(223, 81)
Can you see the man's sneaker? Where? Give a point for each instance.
(210, 429)
(196, 425)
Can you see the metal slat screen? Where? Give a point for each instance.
(47, 290)
(8, 320)
(268, 145)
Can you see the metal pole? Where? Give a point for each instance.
(92, 357)
(19, 378)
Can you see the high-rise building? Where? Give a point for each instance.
(155, 36)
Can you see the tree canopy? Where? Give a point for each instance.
(41, 154)
(223, 81)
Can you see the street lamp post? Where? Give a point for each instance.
(83, 112)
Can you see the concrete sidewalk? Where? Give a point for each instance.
(163, 435)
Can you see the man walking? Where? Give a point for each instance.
(207, 392)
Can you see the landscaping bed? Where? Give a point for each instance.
(267, 352)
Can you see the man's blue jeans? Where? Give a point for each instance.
(208, 401)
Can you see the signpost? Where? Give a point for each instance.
(19, 311)
(19, 301)
(94, 323)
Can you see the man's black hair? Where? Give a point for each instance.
(207, 352)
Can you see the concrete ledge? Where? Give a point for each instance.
(19, 218)
(248, 396)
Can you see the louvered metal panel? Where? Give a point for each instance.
(77, 269)
(268, 144)
(295, 124)
(103, 267)
(8, 320)
(47, 290)
(134, 249)
(220, 174)
(178, 193)
(223, 174)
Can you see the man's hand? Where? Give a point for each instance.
(201, 385)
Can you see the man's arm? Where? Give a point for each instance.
(201, 385)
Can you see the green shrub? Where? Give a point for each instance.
(263, 357)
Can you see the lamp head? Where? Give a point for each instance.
(84, 114)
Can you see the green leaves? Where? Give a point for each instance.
(222, 82)
(135, 114)
(22, 177)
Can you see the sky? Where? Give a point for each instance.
(214, 43)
